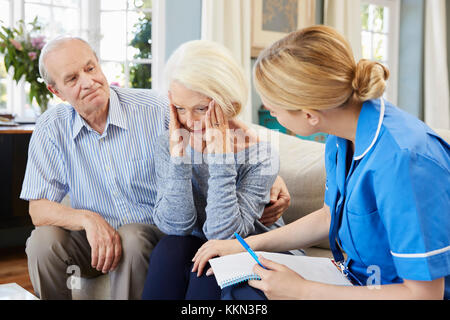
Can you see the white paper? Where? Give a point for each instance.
(239, 267)
(12, 291)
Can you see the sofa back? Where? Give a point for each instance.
(302, 167)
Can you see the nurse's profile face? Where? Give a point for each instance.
(297, 121)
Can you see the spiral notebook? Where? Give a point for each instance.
(236, 268)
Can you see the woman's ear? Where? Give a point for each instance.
(312, 116)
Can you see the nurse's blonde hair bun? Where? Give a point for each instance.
(370, 80)
(314, 68)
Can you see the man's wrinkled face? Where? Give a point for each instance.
(77, 75)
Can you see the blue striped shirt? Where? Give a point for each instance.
(112, 174)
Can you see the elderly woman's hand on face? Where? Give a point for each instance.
(217, 135)
(178, 136)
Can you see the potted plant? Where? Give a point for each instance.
(21, 49)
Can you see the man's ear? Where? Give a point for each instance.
(312, 116)
(55, 91)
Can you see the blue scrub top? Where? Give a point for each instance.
(393, 196)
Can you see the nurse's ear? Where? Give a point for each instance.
(312, 116)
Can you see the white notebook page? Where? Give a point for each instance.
(239, 267)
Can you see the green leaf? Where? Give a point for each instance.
(18, 72)
(7, 61)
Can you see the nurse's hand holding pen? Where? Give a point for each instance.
(278, 282)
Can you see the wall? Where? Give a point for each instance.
(448, 36)
(183, 23)
(256, 100)
(411, 55)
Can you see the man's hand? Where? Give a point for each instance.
(280, 200)
(106, 247)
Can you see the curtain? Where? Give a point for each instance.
(229, 23)
(436, 83)
(345, 17)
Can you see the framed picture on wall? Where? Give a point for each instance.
(273, 19)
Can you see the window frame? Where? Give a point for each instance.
(393, 44)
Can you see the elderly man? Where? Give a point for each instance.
(99, 150)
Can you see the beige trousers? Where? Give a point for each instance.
(53, 252)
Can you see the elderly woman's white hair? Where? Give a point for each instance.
(209, 68)
(49, 47)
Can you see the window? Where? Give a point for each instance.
(5, 18)
(3, 86)
(125, 45)
(119, 30)
(52, 16)
(379, 37)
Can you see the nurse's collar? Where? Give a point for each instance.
(365, 130)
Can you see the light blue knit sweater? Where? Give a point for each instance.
(212, 199)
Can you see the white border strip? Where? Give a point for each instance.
(420, 255)
(158, 44)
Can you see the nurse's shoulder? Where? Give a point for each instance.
(408, 135)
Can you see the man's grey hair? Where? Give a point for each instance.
(49, 47)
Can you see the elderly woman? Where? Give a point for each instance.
(214, 174)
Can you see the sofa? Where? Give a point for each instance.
(303, 169)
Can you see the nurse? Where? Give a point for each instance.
(387, 197)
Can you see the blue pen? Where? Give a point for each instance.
(247, 247)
